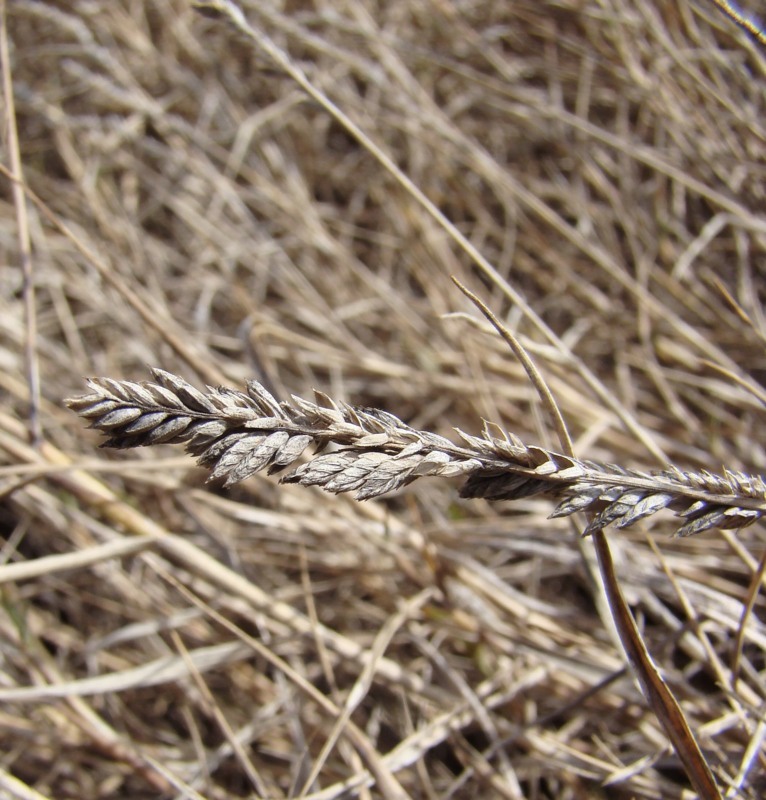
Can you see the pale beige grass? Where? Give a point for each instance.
(606, 161)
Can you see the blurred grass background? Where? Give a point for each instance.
(608, 160)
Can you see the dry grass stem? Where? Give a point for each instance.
(274, 199)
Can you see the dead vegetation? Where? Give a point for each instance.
(237, 434)
(198, 203)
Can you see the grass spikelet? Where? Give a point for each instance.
(237, 435)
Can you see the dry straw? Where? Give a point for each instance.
(281, 192)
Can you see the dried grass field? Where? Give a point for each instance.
(282, 191)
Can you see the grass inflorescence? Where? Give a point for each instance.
(237, 434)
